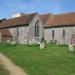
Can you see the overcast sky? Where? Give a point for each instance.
(9, 7)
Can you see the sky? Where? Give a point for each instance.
(10, 7)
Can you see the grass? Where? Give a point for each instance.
(53, 60)
(3, 71)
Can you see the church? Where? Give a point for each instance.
(60, 28)
(22, 29)
(35, 28)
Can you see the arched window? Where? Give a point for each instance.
(37, 29)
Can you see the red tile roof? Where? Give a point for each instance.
(67, 19)
(44, 17)
(6, 35)
(18, 21)
(48, 20)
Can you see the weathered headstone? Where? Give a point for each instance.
(8, 41)
(71, 48)
(13, 42)
(42, 45)
(30, 42)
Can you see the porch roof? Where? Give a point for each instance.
(5, 32)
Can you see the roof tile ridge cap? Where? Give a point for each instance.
(65, 13)
(45, 14)
(32, 13)
(12, 18)
(16, 17)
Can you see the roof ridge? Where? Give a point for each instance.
(45, 14)
(20, 16)
(64, 13)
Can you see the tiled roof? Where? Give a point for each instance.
(18, 21)
(48, 20)
(45, 17)
(67, 19)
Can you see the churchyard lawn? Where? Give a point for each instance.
(53, 60)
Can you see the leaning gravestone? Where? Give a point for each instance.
(71, 48)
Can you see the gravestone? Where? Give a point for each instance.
(30, 42)
(42, 45)
(71, 48)
(13, 42)
(8, 41)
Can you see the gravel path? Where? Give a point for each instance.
(12, 68)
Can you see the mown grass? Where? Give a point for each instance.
(53, 60)
(3, 71)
